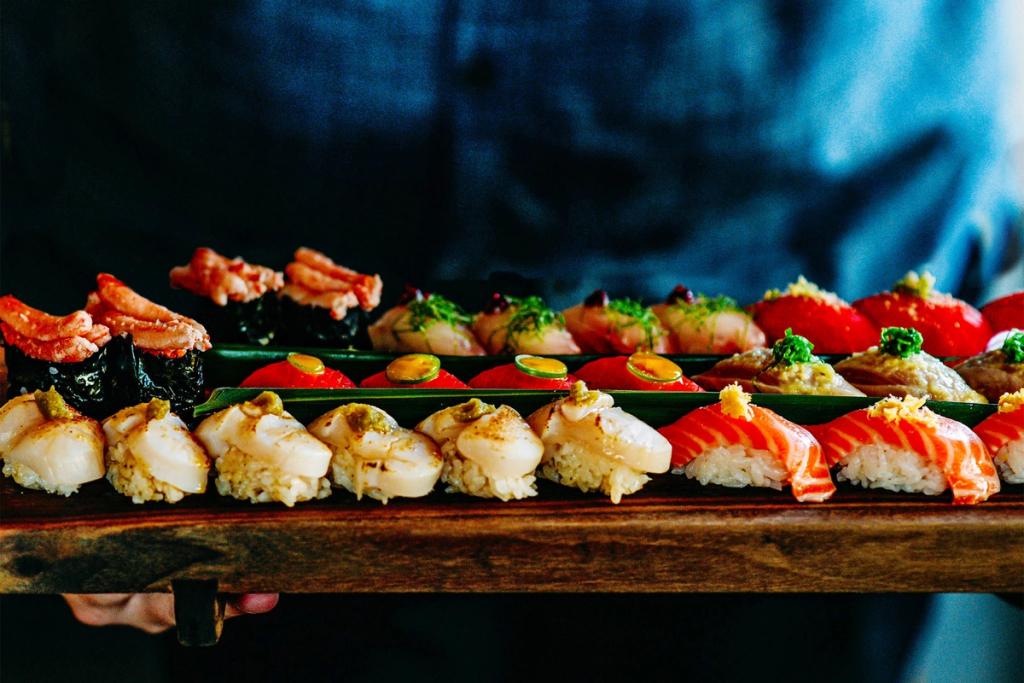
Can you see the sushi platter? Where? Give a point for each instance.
(611, 447)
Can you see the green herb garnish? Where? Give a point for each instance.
(1013, 347)
(703, 307)
(642, 316)
(793, 349)
(435, 308)
(531, 316)
(901, 341)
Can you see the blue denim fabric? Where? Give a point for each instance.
(630, 145)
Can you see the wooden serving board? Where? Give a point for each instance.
(673, 536)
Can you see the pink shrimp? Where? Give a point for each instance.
(35, 324)
(367, 287)
(63, 350)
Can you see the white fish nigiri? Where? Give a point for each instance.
(523, 325)
(151, 455)
(425, 323)
(373, 456)
(592, 445)
(263, 454)
(488, 452)
(45, 444)
(704, 324)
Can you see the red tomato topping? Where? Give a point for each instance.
(949, 326)
(510, 377)
(832, 326)
(444, 380)
(1005, 313)
(612, 373)
(285, 375)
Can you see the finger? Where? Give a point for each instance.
(250, 603)
(96, 609)
(150, 612)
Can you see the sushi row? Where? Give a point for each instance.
(897, 366)
(318, 302)
(261, 453)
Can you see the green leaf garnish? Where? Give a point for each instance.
(531, 316)
(901, 341)
(435, 308)
(1013, 347)
(793, 349)
(641, 316)
(703, 306)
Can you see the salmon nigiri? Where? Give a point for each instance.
(736, 444)
(1003, 434)
(900, 445)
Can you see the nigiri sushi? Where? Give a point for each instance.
(512, 324)
(592, 445)
(1003, 434)
(1005, 313)
(46, 444)
(796, 370)
(950, 327)
(900, 445)
(832, 325)
(739, 368)
(155, 353)
(425, 323)
(68, 353)
(414, 371)
(375, 457)
(152, 456)
(324, 303)
(298, 371)
(734, 443)
(603, 325)
(526, 372)
(704, 324)
(641, 371)
(897, 366)
(241, 297)
(489, 451)
(999, 371)
(263, 454)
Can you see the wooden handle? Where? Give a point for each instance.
(198, 612)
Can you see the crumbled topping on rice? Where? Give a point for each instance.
(803, 287)
(1010, 402)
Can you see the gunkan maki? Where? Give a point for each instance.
(155, 353)
(325, 304)
(241, 298)
(68, 353)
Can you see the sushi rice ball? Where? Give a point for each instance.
(591, 445)
(46, 444)
(263, 454)
(375, 457)
(152, 456)
(489, 451)
(1003, 434)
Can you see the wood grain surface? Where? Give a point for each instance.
(673, 536)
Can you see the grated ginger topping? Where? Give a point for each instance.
(1010, 402)
(919, 285)
(736, 402)
(909, 408)
(802, 287)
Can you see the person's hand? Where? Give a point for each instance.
(153, 612)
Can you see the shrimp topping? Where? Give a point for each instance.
(223, 279)
(67, 339)
(151, 326)
(314, 279)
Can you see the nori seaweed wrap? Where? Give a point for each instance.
(137, 376)
(248, 322)
(308, 325)
(83, 384)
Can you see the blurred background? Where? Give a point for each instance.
(630, 145)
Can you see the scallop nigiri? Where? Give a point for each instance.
(46, 444)
(1003, 434)
(734, 443)
(603, 325)
(512, 324)
(489, 451)
(425, 323)
(263, 454)
(592, 445)
(151, 455)
(373, 456)
(704, 324)
(900, 445)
